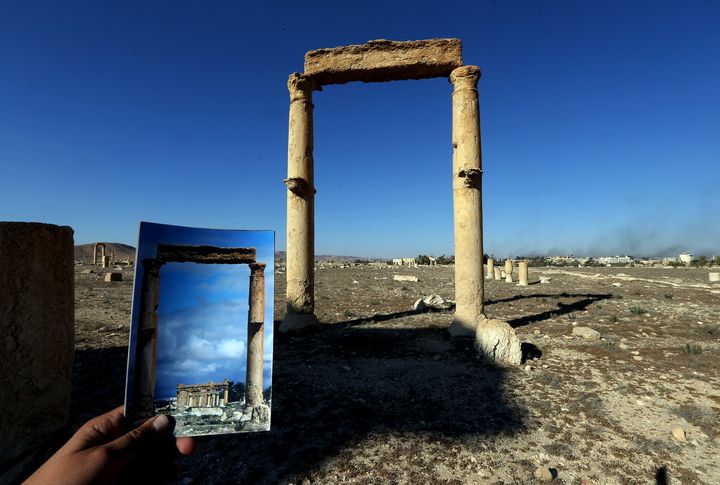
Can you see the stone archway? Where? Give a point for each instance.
(379, 61)
(141, 405)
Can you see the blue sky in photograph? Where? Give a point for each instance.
(203, 308)
(599, 123)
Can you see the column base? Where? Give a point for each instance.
(464, 327)
(296, 321)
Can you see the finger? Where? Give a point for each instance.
(129, 445)
(186, 446)
(97, 431)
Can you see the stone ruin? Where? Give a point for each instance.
(212, 394)
(105, 260)
(380, 61)
(37, 332)
(141, 405)
(412, 262)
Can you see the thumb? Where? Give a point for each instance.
(127, 446)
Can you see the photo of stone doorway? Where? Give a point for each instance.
(199, 347)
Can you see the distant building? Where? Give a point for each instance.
(686, 258)
(615, 260)
(562, 259)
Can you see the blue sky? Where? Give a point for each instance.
(203, 309)
(599, 123)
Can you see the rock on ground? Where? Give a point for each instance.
(586, 332)
(497, 342)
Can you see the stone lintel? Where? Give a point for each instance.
(172, 253)
(384, 60)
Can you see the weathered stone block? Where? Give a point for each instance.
(36, 337)
(402, 277)
(113, 277)
(384, 60)
(586, 333)
(497, 342)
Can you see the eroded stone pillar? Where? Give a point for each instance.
(523, 273)
(490, 269)
(497, 275)
(508, 270)
(256, 335)
(141, 406)
(300, 292)
(94, 253)
(467, 201)
(102, 252)
(227, 392)
(36, 340)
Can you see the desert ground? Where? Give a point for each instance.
(381, 394)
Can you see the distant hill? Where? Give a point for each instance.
(280, 256)
(122, 251)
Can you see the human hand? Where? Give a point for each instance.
(104, 451)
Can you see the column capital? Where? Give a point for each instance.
(301, 86)
(257, 269)
(465, 77)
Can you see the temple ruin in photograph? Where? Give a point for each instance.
(146, 347)
(203, 395)
(380, 61)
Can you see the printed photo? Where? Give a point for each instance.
(200, 349)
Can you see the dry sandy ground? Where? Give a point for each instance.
(381, 395)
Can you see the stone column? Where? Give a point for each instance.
(467, 201)
(94, 253)
(523, 273)
(227, 391)
(508, 270)
(497, 274)
(141, 406)
(255, 335)
(102, 252)
(36, 341)
(490, 269)
(300, 291)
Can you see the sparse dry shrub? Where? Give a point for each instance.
(609, 345)
(712, 331)
(548, 379)
(701, 416)
(693, 349)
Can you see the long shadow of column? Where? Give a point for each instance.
(331, 389)
(336, 387)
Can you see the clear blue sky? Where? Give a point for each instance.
(203, 309)
(600, 123)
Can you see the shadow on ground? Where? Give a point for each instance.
(333, 388)
(562, 308)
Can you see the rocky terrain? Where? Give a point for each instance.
(233, 418)
(381, 394)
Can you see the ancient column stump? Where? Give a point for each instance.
(36, 338)
(508, 271)
(489, 274)
(523, 273)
